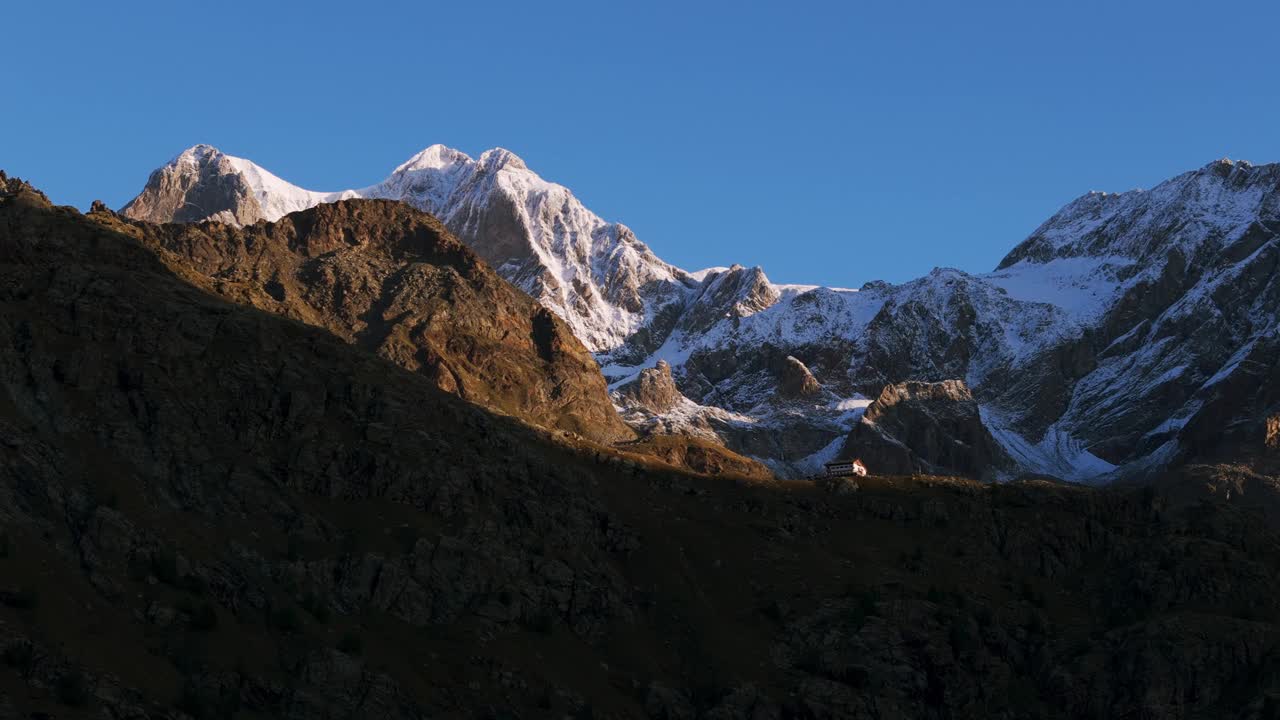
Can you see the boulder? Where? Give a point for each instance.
(920, 427)
(653, 390)
(796, 381)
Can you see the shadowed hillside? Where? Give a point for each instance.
(212, 511)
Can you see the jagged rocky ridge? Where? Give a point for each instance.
(211, 511)
(1099, 347)
(392, 280)
(596, 275)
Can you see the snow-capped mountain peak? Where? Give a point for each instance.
(501, 159)
(1096, 342)
(435, 157)
(596, 275)
(195, 155)
(1203, 205)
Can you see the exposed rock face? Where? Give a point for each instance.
(1195, 261)
(734, 292)
(926, 427)
(677, 430)
(653, 390)
(207, 510)
(200, 184)
(392, 280)
(594, 274)
(1273, 432)
(1232, 416)
(796, 381)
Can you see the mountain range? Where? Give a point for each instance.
(1129, 332)
(274, 471)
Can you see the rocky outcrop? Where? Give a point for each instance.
(200, 184)
(795, 380)
(733, 292)
(699, 455)
(1231, 418)
(916, 427)
(394, 281)
(678, 431)
(653, 390)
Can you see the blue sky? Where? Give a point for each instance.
(830, 142)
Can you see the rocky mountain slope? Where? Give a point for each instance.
(1103, 345)
(1094, 346)
(596, 275)
(392, 280)
(210, 511)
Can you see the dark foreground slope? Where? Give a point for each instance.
(212, 511)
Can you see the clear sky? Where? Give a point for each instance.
(830, 142)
